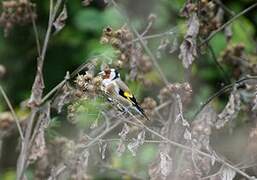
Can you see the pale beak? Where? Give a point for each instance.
(101, 73)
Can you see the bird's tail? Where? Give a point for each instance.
(141, 111)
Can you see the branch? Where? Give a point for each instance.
(35, 30)
(226, 77)
(12, 111)
(228, 22)
(142, 42)
(22, 159)
(166, 33)
(96, 139)
(141, 124)
(222, 90)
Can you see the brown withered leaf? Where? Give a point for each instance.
(65, 96)
(59, 23)
(230, 111)
(166, 165)
(39, 146)
(37, 88)
(188, 48)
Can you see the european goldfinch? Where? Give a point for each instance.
(116, 88)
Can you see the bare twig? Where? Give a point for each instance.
(222, 90)
(224, 7)
(148, 27)
(22, 160)
(193, 150)
(226, 77)
(139, 123)
(57, 172)
(228, 22)
(13, 113)
(96, 139)
(35, 31)
(142, 42)
(153, 36)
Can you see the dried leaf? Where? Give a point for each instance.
(59, 23)
(228, 32)
(102, 149)
(166, 164)
(180, 115)
(134, 145)
(230, 111)
(187, 135)
(164, 44)
(123, 135)
(37, 88)
(82, 166)
(121, 148)
(39, 146)
(124, 131)
(94, 124)
(188, 48)
(228, 174)
(63, 99)
(174, 46)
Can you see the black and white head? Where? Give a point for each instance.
(110, 74)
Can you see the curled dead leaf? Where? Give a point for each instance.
(188, 48)
(59, 23)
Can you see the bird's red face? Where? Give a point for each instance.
(109, 74)
(106, 74)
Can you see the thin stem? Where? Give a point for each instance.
(22, 160)
(193, 150)
(102, 134)
(35, 31)
(142, 42)
(13, 113)
(50, 93)
(57, 173)
(221, 91)
(228, 22)
(167, 33)
(148, 27)
(48, 32)
(225, 7)
(189, 148)
(226, 77)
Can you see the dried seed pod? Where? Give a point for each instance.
(16, 13)
(6, 120)
(184, 90)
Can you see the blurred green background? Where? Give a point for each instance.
(80, 38)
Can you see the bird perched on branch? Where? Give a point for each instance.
(117, 89)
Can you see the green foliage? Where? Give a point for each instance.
(243, 32)
(218, 42)
(94, 20)
(8, 175)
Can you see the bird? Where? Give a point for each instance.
(113, 85)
